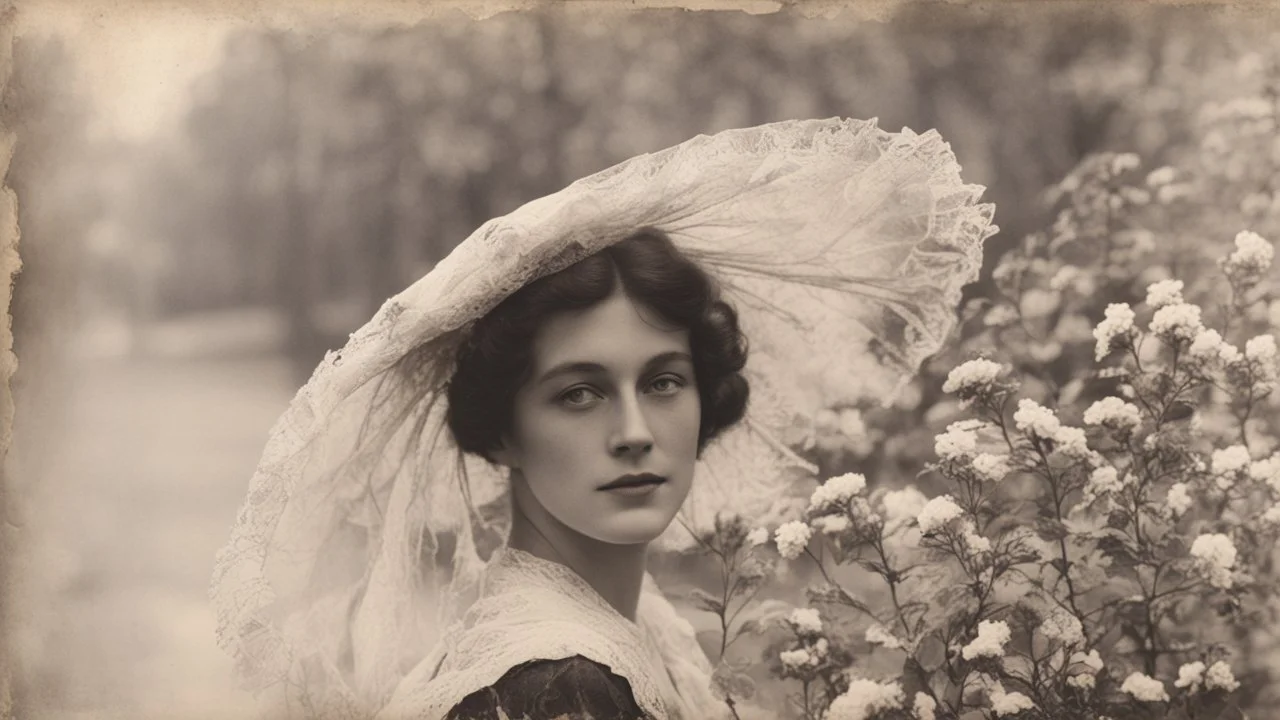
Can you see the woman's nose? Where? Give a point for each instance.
(632, 435)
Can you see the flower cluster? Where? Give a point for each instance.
(1115, 331)
(1251, 259)
(864, 699)
(1216, 556)
(1041, 423)
(1083, 542)
(1145, 688)
(1113, 413)
(990, 642)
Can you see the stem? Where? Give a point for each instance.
(851, 602)
(1151, 652)
(1062, 541)
(878, 545)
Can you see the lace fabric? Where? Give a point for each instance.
(533, 609)
(844, 249)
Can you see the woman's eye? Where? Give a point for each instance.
(578, 397)
(667, 384)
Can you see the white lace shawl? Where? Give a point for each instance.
(531, 609)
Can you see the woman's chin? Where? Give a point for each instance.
(635, 530)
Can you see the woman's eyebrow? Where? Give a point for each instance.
(581, 366)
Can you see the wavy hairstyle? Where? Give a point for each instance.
(496, 359)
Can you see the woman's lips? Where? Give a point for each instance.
(634, 483)
(635, 490)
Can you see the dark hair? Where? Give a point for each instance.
(496, 358)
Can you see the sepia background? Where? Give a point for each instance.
(209, 202)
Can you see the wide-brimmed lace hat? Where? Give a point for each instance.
(844, 249)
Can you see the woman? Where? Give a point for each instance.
(601, 386)
(596, 387)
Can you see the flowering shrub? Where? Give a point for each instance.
(1100, 540)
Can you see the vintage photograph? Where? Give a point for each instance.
(777, 360)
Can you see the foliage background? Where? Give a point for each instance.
(209, 203)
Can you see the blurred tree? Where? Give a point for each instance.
(349, 164)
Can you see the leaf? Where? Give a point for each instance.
(1050, 529)
(1179, 410)
(766, 613)
(931, 653)
(914, 677)
(728, 681)
(835, 595)
(705, 601)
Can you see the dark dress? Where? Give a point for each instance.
(574, 688)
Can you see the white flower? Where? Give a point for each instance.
(1207, 345)
(1062, 626)
(1009, 703)
(832, 524)
(796, 659)
(1113, 412)
(972, 376)
(1092, 666)
(1000, 315)
(1071, 441)
(1124, 162)
(1092, 660)
(1164, 292)
(1217, 556)
(990, 642)
(902, 504)
(1178, 501)
(975, 542)
(1216, 548)
(1102, 481)
(837, 490)
(957, 442)
(864, 699)
(1033, 417)
(806, 621)
(1083, 681)
(991, 468)
(851, 424)
(1161, 176)
(1220, 677)
(1177, 322)
(879, 635)
(1229, 354)
(758, 537)
(1252, 255)
(1261, 349)
(1170, 193)
(1266, 470)
(1230, 460)
(1272, 515)
(1118, 322)
(938, 512)
(1144, 688)
(1064, 278)
(1190, 675)
(924, 707)
(792, 538)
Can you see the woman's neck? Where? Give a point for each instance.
(615, 571)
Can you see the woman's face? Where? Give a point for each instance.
(612, 393)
